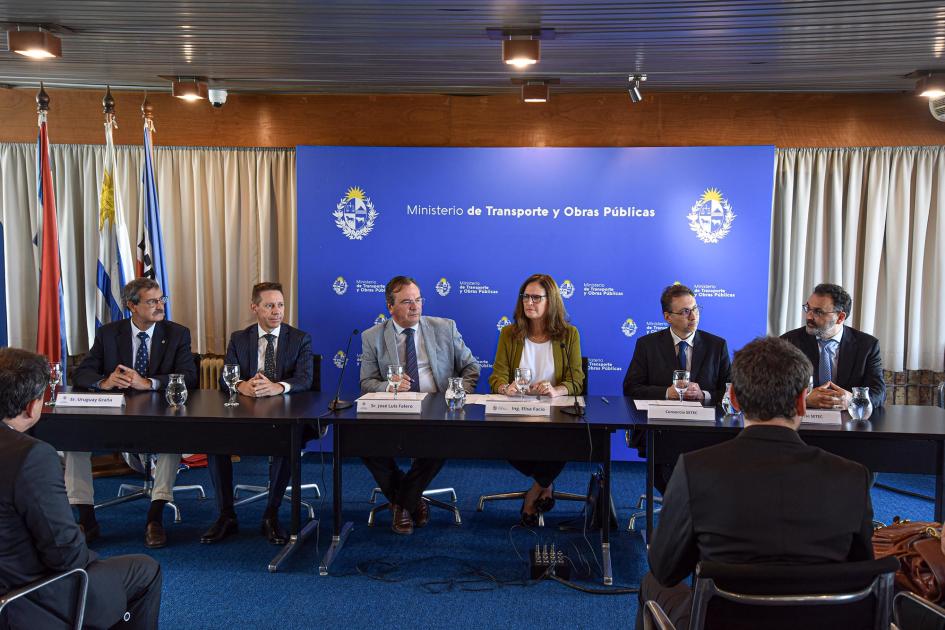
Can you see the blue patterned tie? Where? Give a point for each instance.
(683, 346)
(269, 360)
(827, 350)
(141, 358)
(410, 359)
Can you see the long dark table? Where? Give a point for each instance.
(470, 434)
(147, 424)
(896, 438)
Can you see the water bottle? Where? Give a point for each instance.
(860, 406)
(176, 392)
(455, 394)
(727, 401)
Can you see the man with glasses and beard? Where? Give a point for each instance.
(842, 357)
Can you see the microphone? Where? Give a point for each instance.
(336, 403)
(576, 409)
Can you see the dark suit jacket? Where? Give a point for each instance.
(764, 497)
(39, 536)
(858, 360)
(170, 354)
(293, 356)
(654, 359)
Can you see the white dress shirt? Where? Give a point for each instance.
(691, 341)
(261, 357)
(424, 369)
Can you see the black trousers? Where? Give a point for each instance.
(221, 473)
(403, 488)
(544, 473)
(676, 601)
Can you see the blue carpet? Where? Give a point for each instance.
(441, 576)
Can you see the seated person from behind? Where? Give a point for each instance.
(275, 359)
(843, 357)
(38, 535)
(764, 496)
(540, 339)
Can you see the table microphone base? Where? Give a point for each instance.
(337, 405)
(574, 410)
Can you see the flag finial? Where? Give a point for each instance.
(147, 109)
(42, 99)
(108, 103)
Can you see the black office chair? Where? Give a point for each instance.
(261, 492)
(911, 612)
(562, 496)
(844, 595)
(51, 620)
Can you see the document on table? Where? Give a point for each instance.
(390, 396)
(560, 401)
(644, 405)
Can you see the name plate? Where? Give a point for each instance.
(90, 400)
(518, 408)
(681, 412)
(389, 405)
(822, 416)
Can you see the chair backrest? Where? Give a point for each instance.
(316, 372)
(584, 363)
(838, 595)
(911, 611)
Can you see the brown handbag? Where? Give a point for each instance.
(918, 546)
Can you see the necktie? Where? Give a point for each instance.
(683, 358)
(141, 357)
(827, 350)
(410, 359)
(269, 364)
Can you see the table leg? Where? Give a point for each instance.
(605, 513)
(297, 534)
(340, 530)
(650, 474)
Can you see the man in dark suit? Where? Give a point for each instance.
(765, 496)
(680, 347)
(135, 354)
(843, 357)
(38, 535)
(275, 359)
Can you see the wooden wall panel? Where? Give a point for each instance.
(669, 119)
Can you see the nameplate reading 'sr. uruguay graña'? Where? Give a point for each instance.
(518, 408)
(90, 400)
(666, 412)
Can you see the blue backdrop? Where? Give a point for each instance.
(612, 226)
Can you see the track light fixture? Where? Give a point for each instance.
(534, 89)
(635, 94)
(190, 88)
(521, 48)
(38, 44)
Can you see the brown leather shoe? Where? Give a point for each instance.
(154, 536)
(402, 523)
(421, 516)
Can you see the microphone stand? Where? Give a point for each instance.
(336, 403)
(576, 409)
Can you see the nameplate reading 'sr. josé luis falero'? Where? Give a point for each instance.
(689, 412)
(383, 402)
(518, 408)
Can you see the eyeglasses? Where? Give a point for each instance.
(532, 299)
(686, 312)
(155, 301)
(818, 312)
(409, 303)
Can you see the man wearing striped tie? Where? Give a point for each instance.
(842, 356)
(430, 350)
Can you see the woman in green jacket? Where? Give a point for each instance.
(539, 338)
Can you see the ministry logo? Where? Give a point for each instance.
(567, 289)
(339, 359)
(629, 327)
(339, 285)
(380, 319)
(711, 217)
(443, 287)
(503, 322)
(355, 214)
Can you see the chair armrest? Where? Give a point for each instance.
(23, 591)
(654, 617)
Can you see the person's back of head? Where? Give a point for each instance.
(24, 377)
(769, 376)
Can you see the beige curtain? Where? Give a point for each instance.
(873, 221)
(228, 217)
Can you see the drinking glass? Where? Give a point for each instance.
(727, 401)
(860, 406)
(231, 374)
(681, 382)
(395, 374)
(55, 377)
(523, 376)
(176, 392)
(455, 393)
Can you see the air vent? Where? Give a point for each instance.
(937, 107)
